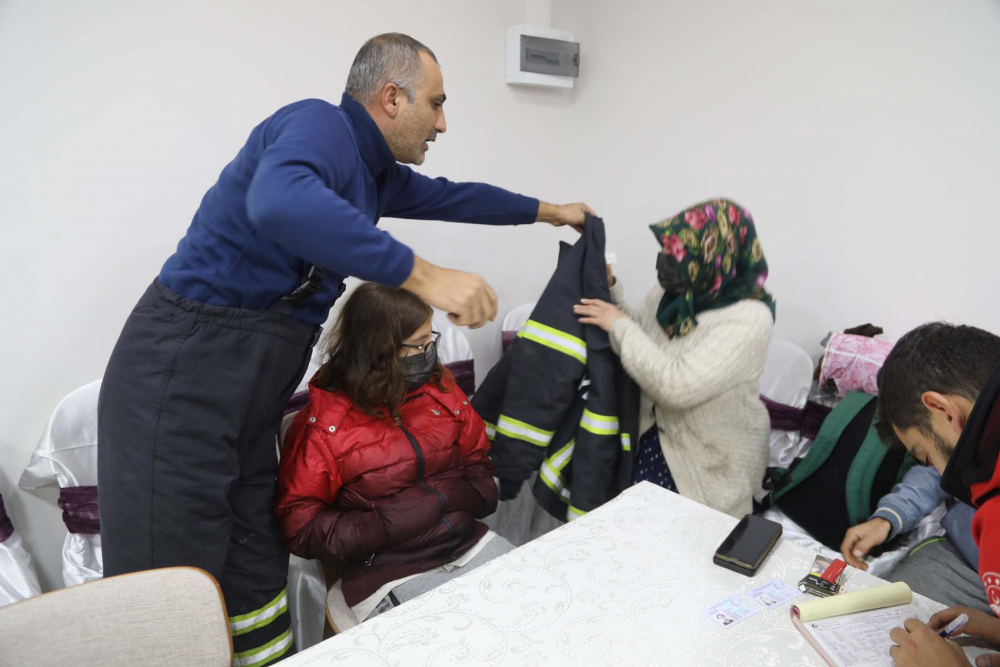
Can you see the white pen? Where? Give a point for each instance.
(959, 621)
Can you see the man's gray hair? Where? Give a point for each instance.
(391, 57)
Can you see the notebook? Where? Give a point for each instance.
(852, 629)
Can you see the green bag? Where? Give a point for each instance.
(843, 476)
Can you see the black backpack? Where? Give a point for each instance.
(840, 481)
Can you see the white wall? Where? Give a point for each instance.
(862, 136)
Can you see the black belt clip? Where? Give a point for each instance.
(311, 284)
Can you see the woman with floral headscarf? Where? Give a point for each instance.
(697, 347)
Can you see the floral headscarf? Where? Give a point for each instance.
(716, 247)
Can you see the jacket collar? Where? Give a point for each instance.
(374, 150)
(972, 471)
(330, 407)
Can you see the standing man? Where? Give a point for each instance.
(195, 388)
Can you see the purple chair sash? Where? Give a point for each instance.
(787, 418)
(80, 511)
(297, 401)
(783, 417)
(812, 420)
(465, 375)
(6, 527)
(507, 339)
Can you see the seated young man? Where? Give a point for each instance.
(939, 394)
(942, 568)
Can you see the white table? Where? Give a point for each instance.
(626, 584)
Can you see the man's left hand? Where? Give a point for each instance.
(918, 645)
(566, 214)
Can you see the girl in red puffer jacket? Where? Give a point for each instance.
(385, 472)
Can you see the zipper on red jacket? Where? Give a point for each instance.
(420, 478)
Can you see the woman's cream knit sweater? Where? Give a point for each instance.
(704, 388)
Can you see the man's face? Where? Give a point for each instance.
(419, 122)
(947, 415)
(933, 450)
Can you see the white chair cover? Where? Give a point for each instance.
(306, 585)
(513, 323)
(67, 455)
(318, 359)
(341, 616)
(455, 353)
(787, 379)
(18, 580)
(453, 345)
(306, 601)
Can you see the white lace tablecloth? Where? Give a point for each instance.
(626, 584)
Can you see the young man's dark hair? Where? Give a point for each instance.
(944, 358)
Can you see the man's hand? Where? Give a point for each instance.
(980, 625)
(861, 539)
(611, 276)
(599, 313)
(919, 646)
(567, 214)
(466, 297)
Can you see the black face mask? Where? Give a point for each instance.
(419, 368)
(666, 273)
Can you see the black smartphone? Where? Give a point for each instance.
(747, 547)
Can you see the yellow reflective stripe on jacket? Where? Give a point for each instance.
(519, 430)
(269, 652)
(626, 442)
(554, 481)
(491, 430)
(560, 459)
(573, 513)
(551, 469)
(599, 424)
(258, 618)
(555, 339)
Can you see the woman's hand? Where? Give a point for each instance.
(599, 313)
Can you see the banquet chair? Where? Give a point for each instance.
(66, 455)
(170, 616)
(18, 580)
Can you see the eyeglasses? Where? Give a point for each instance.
(426, 346)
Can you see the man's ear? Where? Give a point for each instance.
(389, 99)
(943, 406)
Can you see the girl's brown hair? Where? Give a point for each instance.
(364, 347)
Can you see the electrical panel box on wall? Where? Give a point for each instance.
(543, 57)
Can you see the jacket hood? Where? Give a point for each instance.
(972, 474)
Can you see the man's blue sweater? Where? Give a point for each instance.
(308, 188)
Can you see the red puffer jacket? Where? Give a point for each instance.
(380, 500)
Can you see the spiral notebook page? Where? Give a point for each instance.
(860, 639)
